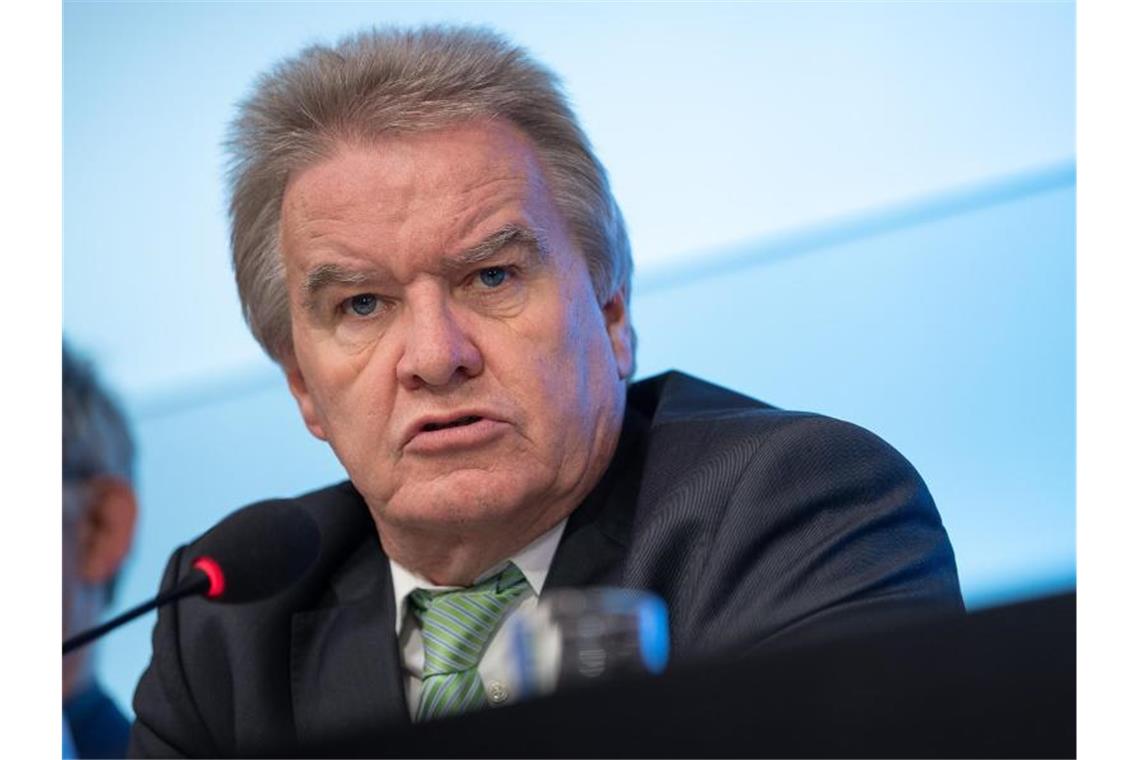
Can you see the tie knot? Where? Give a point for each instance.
(457, 624)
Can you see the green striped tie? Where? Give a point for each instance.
(456, 627)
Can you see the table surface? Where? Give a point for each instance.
(997, 683)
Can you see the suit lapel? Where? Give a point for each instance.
(347, 678)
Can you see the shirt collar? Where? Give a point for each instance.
(533, 560)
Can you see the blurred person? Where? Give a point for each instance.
(425, 243)
(99, 512)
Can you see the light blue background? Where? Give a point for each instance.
(865, 210)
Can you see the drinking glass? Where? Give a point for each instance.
(576, 636)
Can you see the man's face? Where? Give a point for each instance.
(448, 343)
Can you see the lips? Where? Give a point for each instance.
(459, 422)
(461, 429)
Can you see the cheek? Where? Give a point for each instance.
(352, 395)
(586, 345)
(546, 348)
(562, 364)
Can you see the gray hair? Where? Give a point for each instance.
(390, 81)
(96, 437)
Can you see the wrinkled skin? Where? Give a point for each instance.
(432, 281)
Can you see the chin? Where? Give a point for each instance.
(465, 497)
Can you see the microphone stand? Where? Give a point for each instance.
(197, 584)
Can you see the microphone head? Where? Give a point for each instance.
(257, 551)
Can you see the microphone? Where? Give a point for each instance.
(250, 555)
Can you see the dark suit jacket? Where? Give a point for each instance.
(756, 526)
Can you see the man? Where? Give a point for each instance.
(99, 509)
(425, 243)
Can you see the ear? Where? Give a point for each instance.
(108, 525)
(300, 390)
(616, 313)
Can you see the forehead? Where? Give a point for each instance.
(443, 182)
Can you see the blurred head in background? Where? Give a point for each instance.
(99, 506)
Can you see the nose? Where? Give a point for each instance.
(438, 351)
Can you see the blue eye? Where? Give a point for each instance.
(363, 304)
(492, 277)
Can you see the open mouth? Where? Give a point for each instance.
(468, 420)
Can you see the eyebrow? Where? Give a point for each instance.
(326, 275)
(489, 247)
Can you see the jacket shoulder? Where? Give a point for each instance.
(675, 394)
(699, 422)
(752, 519)
(211, 661)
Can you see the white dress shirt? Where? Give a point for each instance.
(501, 680)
